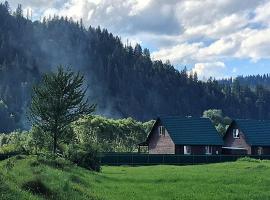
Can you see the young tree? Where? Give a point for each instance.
(58, 101)
(218, 119)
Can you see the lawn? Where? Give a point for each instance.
(236, 180)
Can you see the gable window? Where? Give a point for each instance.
(208, 150)
(187, 150)
(161, 130)
(236, 133)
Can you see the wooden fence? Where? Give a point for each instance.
(8, 155)
(156, 159)
(135, 159)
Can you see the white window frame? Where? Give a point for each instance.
(187, 149)
(208, 150)
(260, 150)
(161, 130)
(236, 133)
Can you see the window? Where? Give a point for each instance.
(187, 150)
(208, 150)
(236, 133)
(162, 130)
(260, 150)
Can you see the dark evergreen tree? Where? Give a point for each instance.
(19, 11)
(58, 101)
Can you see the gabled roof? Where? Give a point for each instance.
(257, 132)
(190, 131)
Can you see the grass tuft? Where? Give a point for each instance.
(248, 159)
(10, 164)
(75, 179)
(58, 163)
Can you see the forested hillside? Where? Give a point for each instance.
(122, 80)
(252, 81)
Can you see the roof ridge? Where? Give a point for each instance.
(191, 130)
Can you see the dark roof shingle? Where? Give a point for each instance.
(191, 131)
(256, 132)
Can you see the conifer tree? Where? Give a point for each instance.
(58, 101)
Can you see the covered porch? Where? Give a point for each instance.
(234, 151)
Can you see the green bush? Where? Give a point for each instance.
(248, 159)
(16, 142)
(10, 149)
(84, 155)
(54, 161)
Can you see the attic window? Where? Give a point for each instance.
(162, 130)
(236, 133)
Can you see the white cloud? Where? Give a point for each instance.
(256, 45)
(180, 53)
(213, 69)
(262, 14)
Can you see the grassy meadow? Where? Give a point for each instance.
(29, 178)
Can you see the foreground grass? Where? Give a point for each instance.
(238, 180)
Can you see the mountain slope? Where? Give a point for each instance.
(121, 79)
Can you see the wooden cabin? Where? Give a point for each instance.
(251, 137)
(183, 135)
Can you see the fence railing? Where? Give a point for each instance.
(155, 159)
(6, 156)
(161, 159)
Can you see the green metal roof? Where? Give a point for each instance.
(191, 131)
(257, 132)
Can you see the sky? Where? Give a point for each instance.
(218, 38)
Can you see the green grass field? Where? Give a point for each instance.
(236, 180)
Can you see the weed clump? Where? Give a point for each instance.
(248, 159)
(10, 164)
(58, 163)
(75, 179)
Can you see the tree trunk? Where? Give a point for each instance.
(54, 142)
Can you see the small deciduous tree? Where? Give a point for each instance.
(58, 101)
(218, 119)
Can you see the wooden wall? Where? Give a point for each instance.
(161, 144)
(240, 142)
(197, 149)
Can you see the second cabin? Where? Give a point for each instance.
(251, 137)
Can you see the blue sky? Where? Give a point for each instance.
(219, 38)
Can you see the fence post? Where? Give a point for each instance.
(132, 160)
(163, 159)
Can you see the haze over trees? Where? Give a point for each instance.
(123, 80)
